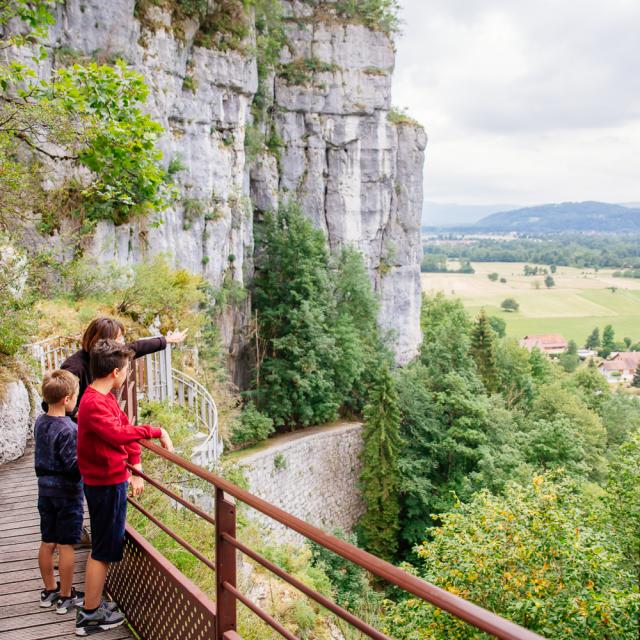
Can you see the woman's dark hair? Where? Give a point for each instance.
(108, 355)
(101, 329)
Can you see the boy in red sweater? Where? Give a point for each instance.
(106, 442)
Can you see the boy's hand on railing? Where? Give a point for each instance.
(165, 441)
(176, 337)
(136, 483)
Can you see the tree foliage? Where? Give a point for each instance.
(608, 342)
(537, 555)
(483, 351)
(593, 341)
(85, 116)
(379, 477)
(317, 338)
(509, 304)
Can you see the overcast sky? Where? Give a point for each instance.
(524, 101)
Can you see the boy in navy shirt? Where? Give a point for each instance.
(60, 499)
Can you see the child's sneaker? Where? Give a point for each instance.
(110, 605)
(64, 603)
(49, 596)
(100, 620)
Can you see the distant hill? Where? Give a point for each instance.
(438, 214)
(568, 216)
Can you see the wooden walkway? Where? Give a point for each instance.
(21, 617)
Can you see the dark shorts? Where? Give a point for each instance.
(108, 513)
(61, 519)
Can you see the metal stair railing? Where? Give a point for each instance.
(52, 352)
(157, 379)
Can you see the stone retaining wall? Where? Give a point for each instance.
(312, 475)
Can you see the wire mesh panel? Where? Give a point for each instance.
(158, 600)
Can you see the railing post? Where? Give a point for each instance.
(169, 369)
(225, 516)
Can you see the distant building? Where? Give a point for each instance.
(621, 367)
(550, 343)
(583, 354)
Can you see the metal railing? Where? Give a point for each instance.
(52, 352)
(151, 377)
(227, 546)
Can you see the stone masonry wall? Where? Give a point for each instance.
(313, 476)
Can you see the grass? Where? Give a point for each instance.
(581, 299)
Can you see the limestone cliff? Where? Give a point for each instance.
(357, 174)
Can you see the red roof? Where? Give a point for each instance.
(544, 341)
(623, 361)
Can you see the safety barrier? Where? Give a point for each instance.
(227, 595)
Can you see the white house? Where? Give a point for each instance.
(621, 367)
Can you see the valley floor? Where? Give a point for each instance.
(580, 300)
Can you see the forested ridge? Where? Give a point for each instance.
(569, 250)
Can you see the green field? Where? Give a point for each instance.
(581, 299)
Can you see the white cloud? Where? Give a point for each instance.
(524, 101)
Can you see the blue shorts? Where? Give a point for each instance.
(61, 519)
(107, 513)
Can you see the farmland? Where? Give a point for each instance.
(579, 301)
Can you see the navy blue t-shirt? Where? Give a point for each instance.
(57, 457)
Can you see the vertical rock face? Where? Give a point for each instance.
(16, 421)
(356, 174)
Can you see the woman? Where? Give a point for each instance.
(111, 329)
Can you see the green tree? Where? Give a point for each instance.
(593, 341)
(295, 307)
(620, 415)
(357, 328)
(591, 387)
(17, 318)
(498, 325)
(570, 360)
(493, 276)
(445, 330)
(608, 342)
(555, 401)
(636, 379)
(549, 282)
(446, 421)
(515, 374)
(483, 351)
(379, 478)
(624, 492)
(537, 556)
(158, 290)
(86, 115)
(542, 368)
(316, 335)
(509, 304)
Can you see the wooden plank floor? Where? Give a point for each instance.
(21, 617)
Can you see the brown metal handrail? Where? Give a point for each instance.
(226, 545)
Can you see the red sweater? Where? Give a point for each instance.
(107, 440)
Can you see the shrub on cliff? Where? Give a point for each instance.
(89, 116)
(251, 427)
